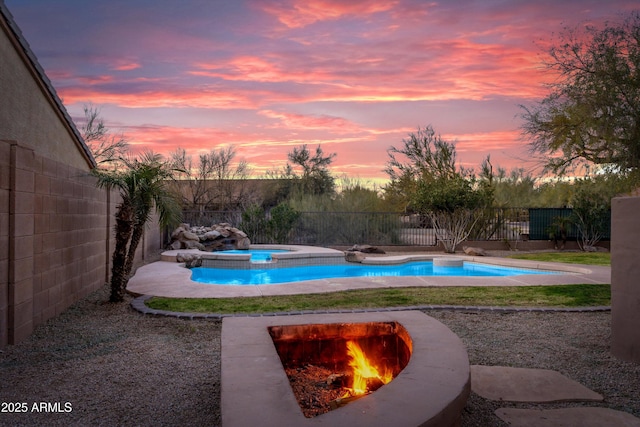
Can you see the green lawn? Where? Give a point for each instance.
(591, 258)
(518, 296)
(499, 296)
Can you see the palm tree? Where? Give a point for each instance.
(142, 185)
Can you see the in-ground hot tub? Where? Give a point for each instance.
(431, 390)
(273, 256)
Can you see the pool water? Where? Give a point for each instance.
(257, 255)
(266, 276)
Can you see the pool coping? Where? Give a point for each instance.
(172, 279)
(295, 251)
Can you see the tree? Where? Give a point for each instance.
(591, 114)
(424, 155)
(105, 147)
(452, 205)
(142, 185)
(591, 214)
(591, 203)
(516, 189)
(313, 176)
(436, 187)
(215, 182)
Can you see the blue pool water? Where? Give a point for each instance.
(266, 276)
(257, 255)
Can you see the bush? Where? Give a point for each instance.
(254, 223)
(283, 219)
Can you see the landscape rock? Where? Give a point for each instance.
(188, 235)
(238, 232)
(217, 237)
(190, 259)
(211, 235)
(192, 244)
(180, 229)
(243, 243)
(594, 249)
(366, 249)
(224, 232)
(354, 256)
(469, 250)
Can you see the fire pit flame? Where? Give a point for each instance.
(366, 376)
(330, 365)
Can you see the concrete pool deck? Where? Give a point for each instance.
(172, 279)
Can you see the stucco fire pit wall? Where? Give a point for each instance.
(431, 390)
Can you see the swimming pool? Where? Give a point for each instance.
(266, 276)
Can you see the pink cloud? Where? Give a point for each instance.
(163, 97)
(307, 122)
(353, 76)
(300, 13)
(124, 65)
(246, 68)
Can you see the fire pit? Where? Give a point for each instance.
(330, 365)
(421, 370)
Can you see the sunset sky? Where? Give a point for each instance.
(265, 76)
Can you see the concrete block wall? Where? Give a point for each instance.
(56, 239)
(625, 271)
(5, 186)
(56, 235)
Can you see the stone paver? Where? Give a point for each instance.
(527, 385)
(567, 417)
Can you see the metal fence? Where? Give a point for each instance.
(386, 228)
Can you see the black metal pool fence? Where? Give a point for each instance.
(388, 228)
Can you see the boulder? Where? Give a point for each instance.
(224, 232)
(190, 259)
(237, 232)
(176, 233)
(243, 243)
(469, 250)
(211, 235)
(354, 256)
(366, 249)
(216, 237)
(192, 244)
(184, 257)
(594, 249)
(189, 235)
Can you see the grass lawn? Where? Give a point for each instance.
(519, 296)
(591, 258)
(499, 296)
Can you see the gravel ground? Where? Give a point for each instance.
(575, 344)
(106, 364)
